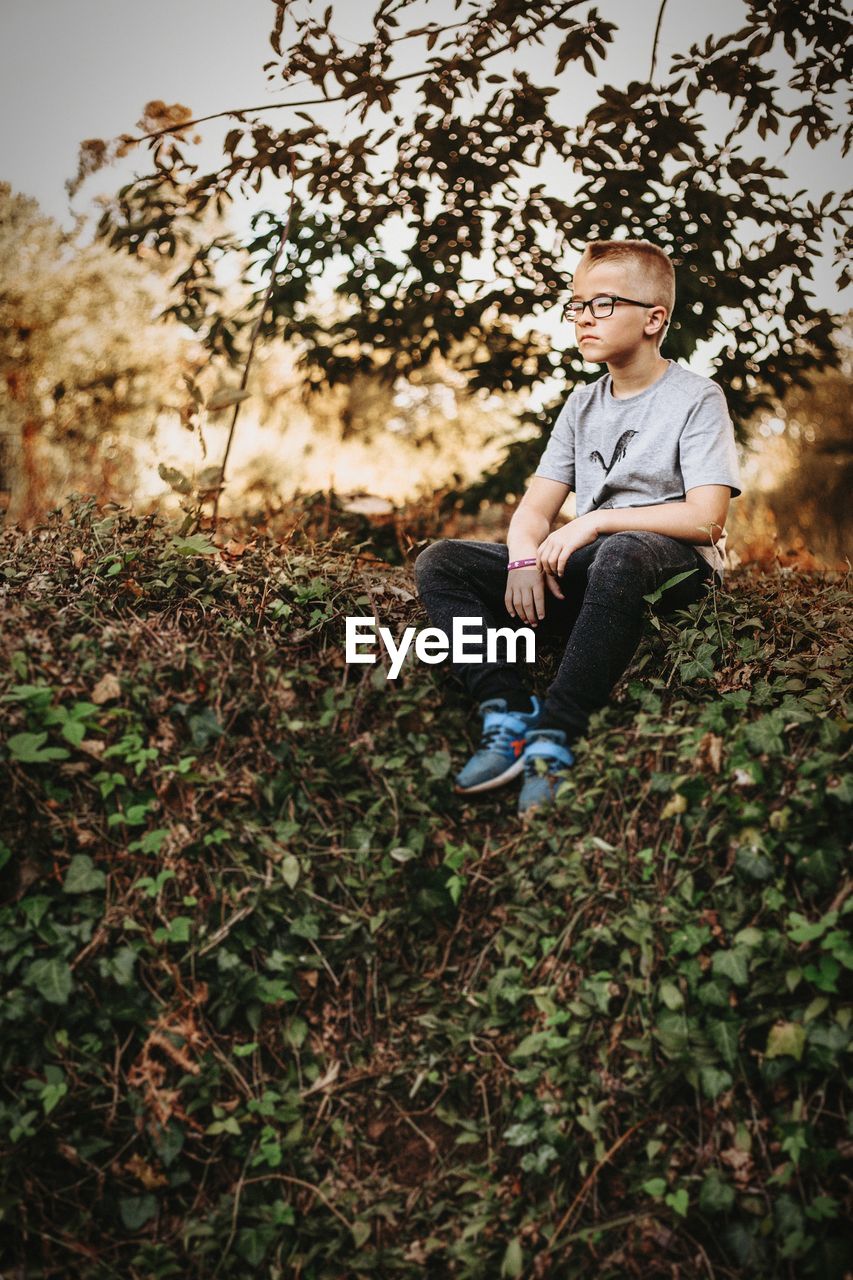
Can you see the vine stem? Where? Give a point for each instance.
(285, 236)
(577, 1203)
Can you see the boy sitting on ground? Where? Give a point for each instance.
(649, 450)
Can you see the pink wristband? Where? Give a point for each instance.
(520, 564)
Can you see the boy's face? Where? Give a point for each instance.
(629, 328)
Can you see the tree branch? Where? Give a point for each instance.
(655, 41)
(285, 235)
(343, 97)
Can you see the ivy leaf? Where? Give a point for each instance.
(724, 1037)
(178, 931)
(786, 1039)
(807, 931)
(841, 789)
(27, 748)
(196, 545)
(204, 727)
(513, 1260)
(360, 1232)
(83, 876)
(137, 1210)
(716, 1195)
(438, 764)
(654, 596)
(754, 864)
(679, 1201)
(765, 734)
(519, 1135)
(290, 870)
(714, 1081)
(670, 995)
(733, 965)
(120, 966)
(53, 979)
(168, 1144)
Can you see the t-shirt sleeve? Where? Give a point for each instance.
(558, 459)
(707, 451)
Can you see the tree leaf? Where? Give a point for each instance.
(226, 398)
(174, 479)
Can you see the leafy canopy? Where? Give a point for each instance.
(451, 151)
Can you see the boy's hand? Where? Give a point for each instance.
(525, 594)
(554, 552)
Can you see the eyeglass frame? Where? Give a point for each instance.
(612, 298)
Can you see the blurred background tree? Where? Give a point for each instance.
(798, 476)
(84, 367)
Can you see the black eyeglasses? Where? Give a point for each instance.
(600, 307)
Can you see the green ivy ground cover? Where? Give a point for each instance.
(277, 1003)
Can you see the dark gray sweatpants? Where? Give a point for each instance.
(601, 618)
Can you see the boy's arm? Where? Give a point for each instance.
(700, 518)
(529, 527)
(704, 509)
(536, 512)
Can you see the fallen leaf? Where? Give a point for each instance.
(674, 806)
(325, 1081)
(106, 689)
(149, 1177)
(711, 752)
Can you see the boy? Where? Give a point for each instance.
(649, 450)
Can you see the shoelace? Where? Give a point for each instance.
(500, 737)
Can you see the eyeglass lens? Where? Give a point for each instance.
(600, 308)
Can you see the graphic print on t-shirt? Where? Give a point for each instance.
(618, 453)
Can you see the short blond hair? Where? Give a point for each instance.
(651, 264)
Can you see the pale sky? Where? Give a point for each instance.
(75, 69)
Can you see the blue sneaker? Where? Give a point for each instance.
(545, 760)
(499, 756)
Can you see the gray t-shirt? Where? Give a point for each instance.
(646, 449)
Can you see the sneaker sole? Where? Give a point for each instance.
(489, 785)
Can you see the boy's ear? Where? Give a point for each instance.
(657, 321)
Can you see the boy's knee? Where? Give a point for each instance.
(623, 557)
(627, 547)
(432, 559)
